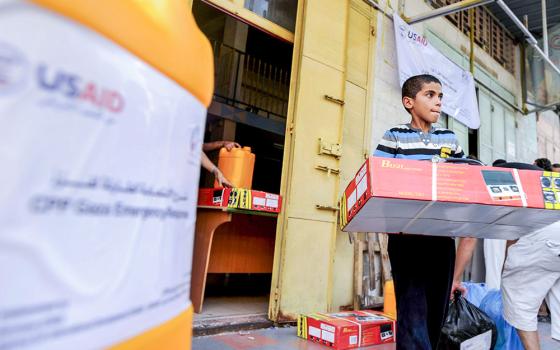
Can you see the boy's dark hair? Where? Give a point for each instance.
(499, 161)
(544, 163)
(556, 165)
(415, 83)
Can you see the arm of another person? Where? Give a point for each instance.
(210, 146)
(208, 165)
(463, 257)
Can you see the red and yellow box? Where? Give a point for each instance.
(447, 199)
(240, 198)
(347, 330)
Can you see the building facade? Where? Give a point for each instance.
(341, 95)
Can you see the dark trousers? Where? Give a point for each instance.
(422, 269)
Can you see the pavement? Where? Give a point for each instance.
(285, 338)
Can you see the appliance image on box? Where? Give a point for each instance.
(501, 185)
(550, 183)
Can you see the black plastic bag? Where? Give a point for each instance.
(467, 327)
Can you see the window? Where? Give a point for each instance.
(281, 12)
(489, 34)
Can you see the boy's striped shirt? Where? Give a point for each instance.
(404, 141)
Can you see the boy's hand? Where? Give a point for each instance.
(229, 145)
(457, 285)
(222, 181)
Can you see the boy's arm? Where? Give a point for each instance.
(464, 254)
(387, 146)
(208, 165)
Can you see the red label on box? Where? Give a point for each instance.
(240, 198)
(347, 330)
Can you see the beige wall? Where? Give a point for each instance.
(548, 126)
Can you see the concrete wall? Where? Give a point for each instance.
(548, 126)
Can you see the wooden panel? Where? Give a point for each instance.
(489, 34)
(207, 220)
(238, 10)
(245, 245)
(357, 51)
(305, 281)
(482, 21)
(325, 32)
(315, 118)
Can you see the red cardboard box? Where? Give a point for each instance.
(445, 199)
(240, 198)
(347, 330)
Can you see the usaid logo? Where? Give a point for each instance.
(74, 87)
(403, 30)
(417, 38)
(16, 72)
(412, 36)
(14, 69)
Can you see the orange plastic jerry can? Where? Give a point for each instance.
(101, 155)
(237, 166)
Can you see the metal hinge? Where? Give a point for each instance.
(326, 207)
(291, 128)
(327, 169)
(334, 100)
(330, 148)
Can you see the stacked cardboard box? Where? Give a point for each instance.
(445, 199)
(240, 198)
(347, 330)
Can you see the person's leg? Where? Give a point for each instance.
(412, 330)
(528, 276)
(439, 277)
(530, 339)
(553, 302)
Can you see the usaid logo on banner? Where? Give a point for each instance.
(74, 87)
(14, 70)
(412, 36)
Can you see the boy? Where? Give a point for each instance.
(422, 266)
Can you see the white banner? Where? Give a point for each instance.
(99, 166)
(417, 56)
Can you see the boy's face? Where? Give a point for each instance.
(427, 103)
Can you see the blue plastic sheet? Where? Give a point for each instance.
(507, 335)
(475, 292)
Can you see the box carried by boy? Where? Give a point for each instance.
(446, 199)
